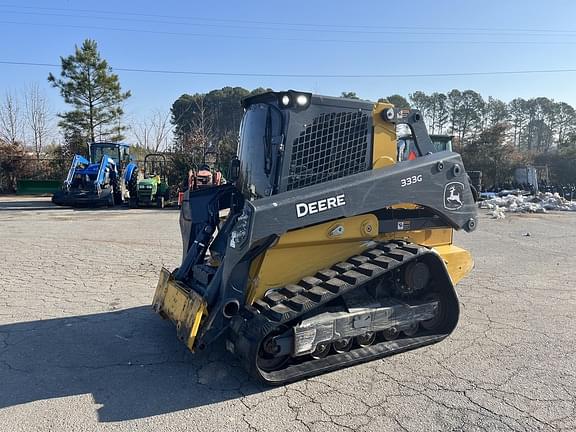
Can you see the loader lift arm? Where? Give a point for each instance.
(412, 119)
(76, 162)
(107, 166)
(200, 221)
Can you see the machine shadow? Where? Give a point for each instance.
(129, 360)
(42, 205)
(26, 204)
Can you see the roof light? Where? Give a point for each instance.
(390, 114)
(302, 100)
(285, 100)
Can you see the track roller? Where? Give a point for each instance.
(343, 345)
(390, 334)
(321, 351)
(366, 339)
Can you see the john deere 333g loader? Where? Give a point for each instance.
(333, 252)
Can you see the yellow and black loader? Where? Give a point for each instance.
(333, 251)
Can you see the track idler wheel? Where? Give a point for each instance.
(268, 360)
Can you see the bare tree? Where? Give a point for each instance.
(202, 126)
(141, 132)
(203, 122)
(37, 117)
(161, 129)
(152, 133)
(10, 119)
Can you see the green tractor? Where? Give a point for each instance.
(153, 188)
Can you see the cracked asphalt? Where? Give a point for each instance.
(81, 350)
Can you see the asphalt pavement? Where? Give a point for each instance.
(81, 349)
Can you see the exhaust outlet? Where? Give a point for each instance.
(231, 308)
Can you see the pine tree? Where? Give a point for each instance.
(89, 86)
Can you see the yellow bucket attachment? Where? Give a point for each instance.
(181, 305)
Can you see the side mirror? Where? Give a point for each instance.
(234, 170)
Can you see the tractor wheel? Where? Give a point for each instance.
(133, 202)
(116, 190)
(133, 185)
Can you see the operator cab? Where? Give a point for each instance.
(119, 152)
(290, 140)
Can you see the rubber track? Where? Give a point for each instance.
(291, 301)
(280, 308)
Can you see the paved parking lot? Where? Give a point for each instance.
(81, 350)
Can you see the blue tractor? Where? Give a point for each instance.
(102, 181)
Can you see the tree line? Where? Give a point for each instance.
(492, 135)
(532, 125)
(495, 137)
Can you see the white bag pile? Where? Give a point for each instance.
(527, 204)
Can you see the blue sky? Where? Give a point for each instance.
(390, 38)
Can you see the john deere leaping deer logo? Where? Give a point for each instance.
(453, 195)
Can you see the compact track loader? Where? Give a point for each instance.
(333, 252)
